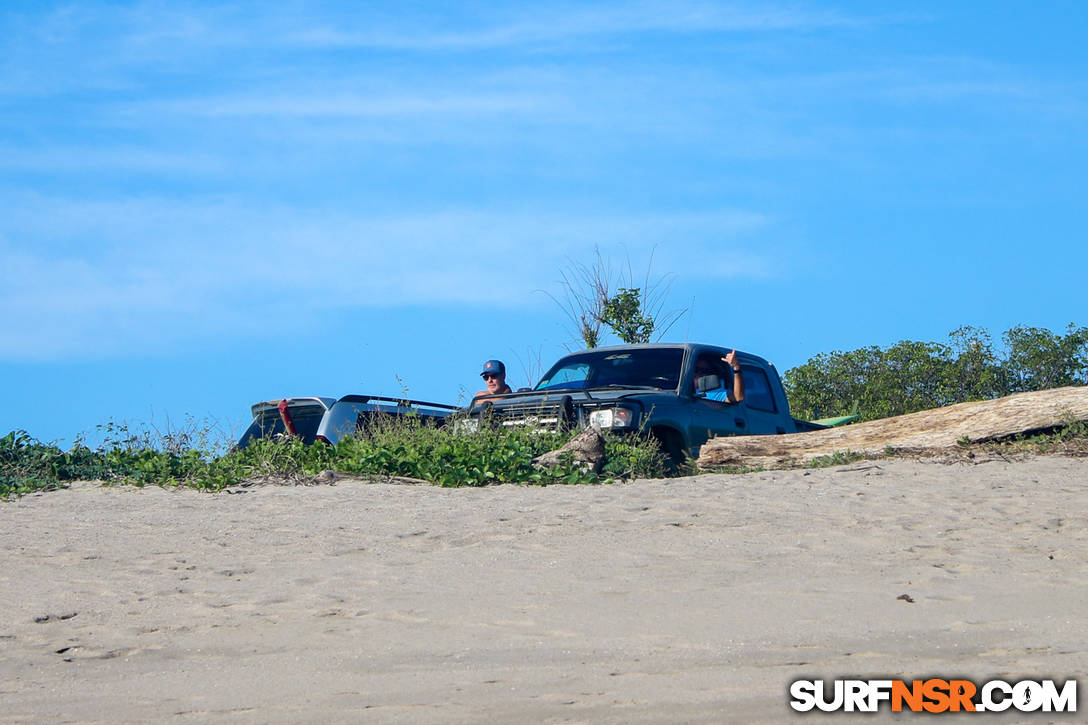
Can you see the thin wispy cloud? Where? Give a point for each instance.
(165, 26)
(259, 139)
(102, 278)
(243, 60)
(534, 25)
(348, 105)
(67, 158)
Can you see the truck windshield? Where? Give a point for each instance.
(652, 368)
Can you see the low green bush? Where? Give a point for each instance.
(28, 465)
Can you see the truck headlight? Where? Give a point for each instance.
(612, 418)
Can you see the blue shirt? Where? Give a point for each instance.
(720, 394)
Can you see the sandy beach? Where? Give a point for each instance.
(693, 600)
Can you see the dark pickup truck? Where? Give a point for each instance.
(650, 389)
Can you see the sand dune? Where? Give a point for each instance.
(686, 600)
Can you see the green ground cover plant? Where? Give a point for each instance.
(403, 447)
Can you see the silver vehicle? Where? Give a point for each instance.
(353, 412)
(289, 416)
(315, 418)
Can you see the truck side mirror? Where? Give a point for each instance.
(707, 382)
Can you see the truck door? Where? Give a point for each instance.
(757, 414)
(712, 417)
(761, 414)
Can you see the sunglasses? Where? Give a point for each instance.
(490, 376)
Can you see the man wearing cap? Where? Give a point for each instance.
(494, 375)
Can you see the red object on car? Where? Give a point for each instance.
(285, 416)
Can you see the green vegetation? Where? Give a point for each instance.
(909, 376)
(403, 447)
(838, 458)
(625, 314)
(601, 293)
(1070, 438)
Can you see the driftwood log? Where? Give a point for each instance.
(926, 430)
(585, 449)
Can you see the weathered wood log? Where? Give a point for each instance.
(926, 430)
(585, 449)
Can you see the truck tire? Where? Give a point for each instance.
(672, 445)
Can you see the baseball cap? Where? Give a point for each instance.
(494, 367)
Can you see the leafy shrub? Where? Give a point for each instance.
(909, 376)
(29, 465)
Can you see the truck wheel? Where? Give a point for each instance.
(672, 445)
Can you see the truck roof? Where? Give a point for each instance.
(668, 346)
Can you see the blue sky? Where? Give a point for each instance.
(210, 204)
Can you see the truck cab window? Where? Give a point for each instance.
(757, 389)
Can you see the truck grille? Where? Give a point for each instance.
(549, 413)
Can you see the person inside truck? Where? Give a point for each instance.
(713, 364)
(494, 375)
